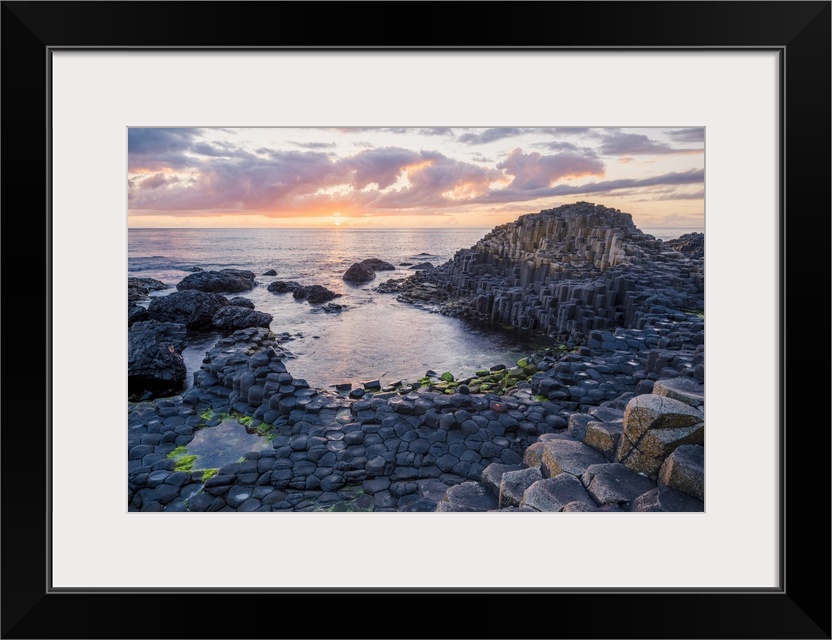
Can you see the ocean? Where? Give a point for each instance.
(375, 336)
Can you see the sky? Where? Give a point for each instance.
(409, 177)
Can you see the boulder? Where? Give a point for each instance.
(139, 288)
(358, 274)
(376, 264)
(615, 484)
(194, 309)
(239, 301)
(231, 318)
(654, 426)
(154, 358)
(270, 272)
(314, 294)
(492, 475)
(514, 484)
(225, 280)
(282, 286)
(667, 499)
(684, 389)
(136, 313)
(552, 494)
(568, 456)
(684, 470)
(422, 266)
(468, 496)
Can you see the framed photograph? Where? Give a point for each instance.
(295, 146)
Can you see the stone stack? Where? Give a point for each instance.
(569, 270)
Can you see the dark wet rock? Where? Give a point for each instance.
(314, 294)
(330, 307)
(468, 496)
(223, 281)
(138, 289)
(422, 266)
(194, 309)
(281, 286)
(239, 301)
(193, 269)
(232, 318)
(359, 274)
(375, 264)
(155, 366)
(136, 313)
(270, 272)
(552, 494)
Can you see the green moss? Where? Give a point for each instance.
(447, 377)
(207, 474)
(523, 362)
(540, 398)
(207, 414)
(177, 453)
(481, 373)
(184, 463)
(245, 420)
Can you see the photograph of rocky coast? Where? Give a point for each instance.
(553, 362)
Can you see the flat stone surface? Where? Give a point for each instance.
(492, 475)
(552, 494)
(568, 456)
(648, 412)
(682, 388)
(615, 484)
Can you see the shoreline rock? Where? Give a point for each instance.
(611, 420)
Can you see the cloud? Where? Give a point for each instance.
(380, 166)
(693, 176)
(438, 180)
(315, 145)
(691, 134)
(489, 135)
(536, 171)
(630, 144)
(151, 148)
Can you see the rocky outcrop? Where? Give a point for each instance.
(154, 358)
(377, 264)
(563, 272)
(239, 301)
(223, 281)
(270, 272)
(138, 289)
(314, 294)
(282, 286)
(136, 313)
(611, 419)
(232, 318)
(194, 309)
(358, 274)
(690, 244)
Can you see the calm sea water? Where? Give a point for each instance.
(374, 337)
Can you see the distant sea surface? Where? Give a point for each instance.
(375, 336)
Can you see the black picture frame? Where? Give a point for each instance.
(800, 31)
